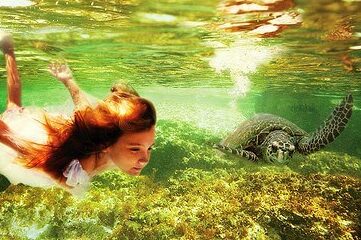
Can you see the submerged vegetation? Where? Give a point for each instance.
(190, 190)
(224, 197)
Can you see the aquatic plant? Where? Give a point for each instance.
(222, 204)
(222, 198)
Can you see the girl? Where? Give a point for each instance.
(42, 149)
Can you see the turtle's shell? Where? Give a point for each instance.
(252, 132)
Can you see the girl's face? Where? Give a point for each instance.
(131, 153)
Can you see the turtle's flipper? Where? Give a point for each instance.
(243, 153)
(330, 129)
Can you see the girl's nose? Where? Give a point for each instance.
(145, 157)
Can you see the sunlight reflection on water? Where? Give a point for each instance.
(17, 3)
(241, 59)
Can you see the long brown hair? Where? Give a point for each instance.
(90, 131)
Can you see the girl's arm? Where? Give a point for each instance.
(63, 73)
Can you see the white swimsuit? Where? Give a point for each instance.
(77, 178)
(27, 124)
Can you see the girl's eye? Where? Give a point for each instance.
(134, 149)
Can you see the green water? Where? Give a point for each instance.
(203, 81)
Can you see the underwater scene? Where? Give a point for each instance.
(207, 66)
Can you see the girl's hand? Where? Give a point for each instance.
(61, 71)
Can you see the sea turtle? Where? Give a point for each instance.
(275, 139)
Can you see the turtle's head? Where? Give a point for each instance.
(278, 147)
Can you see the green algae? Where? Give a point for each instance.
(224, 197)
(220, 204)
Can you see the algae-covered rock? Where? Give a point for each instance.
(194, 204)
(180, 145)
(328, 163)
(223, 197)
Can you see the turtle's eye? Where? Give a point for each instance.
(275, 146)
